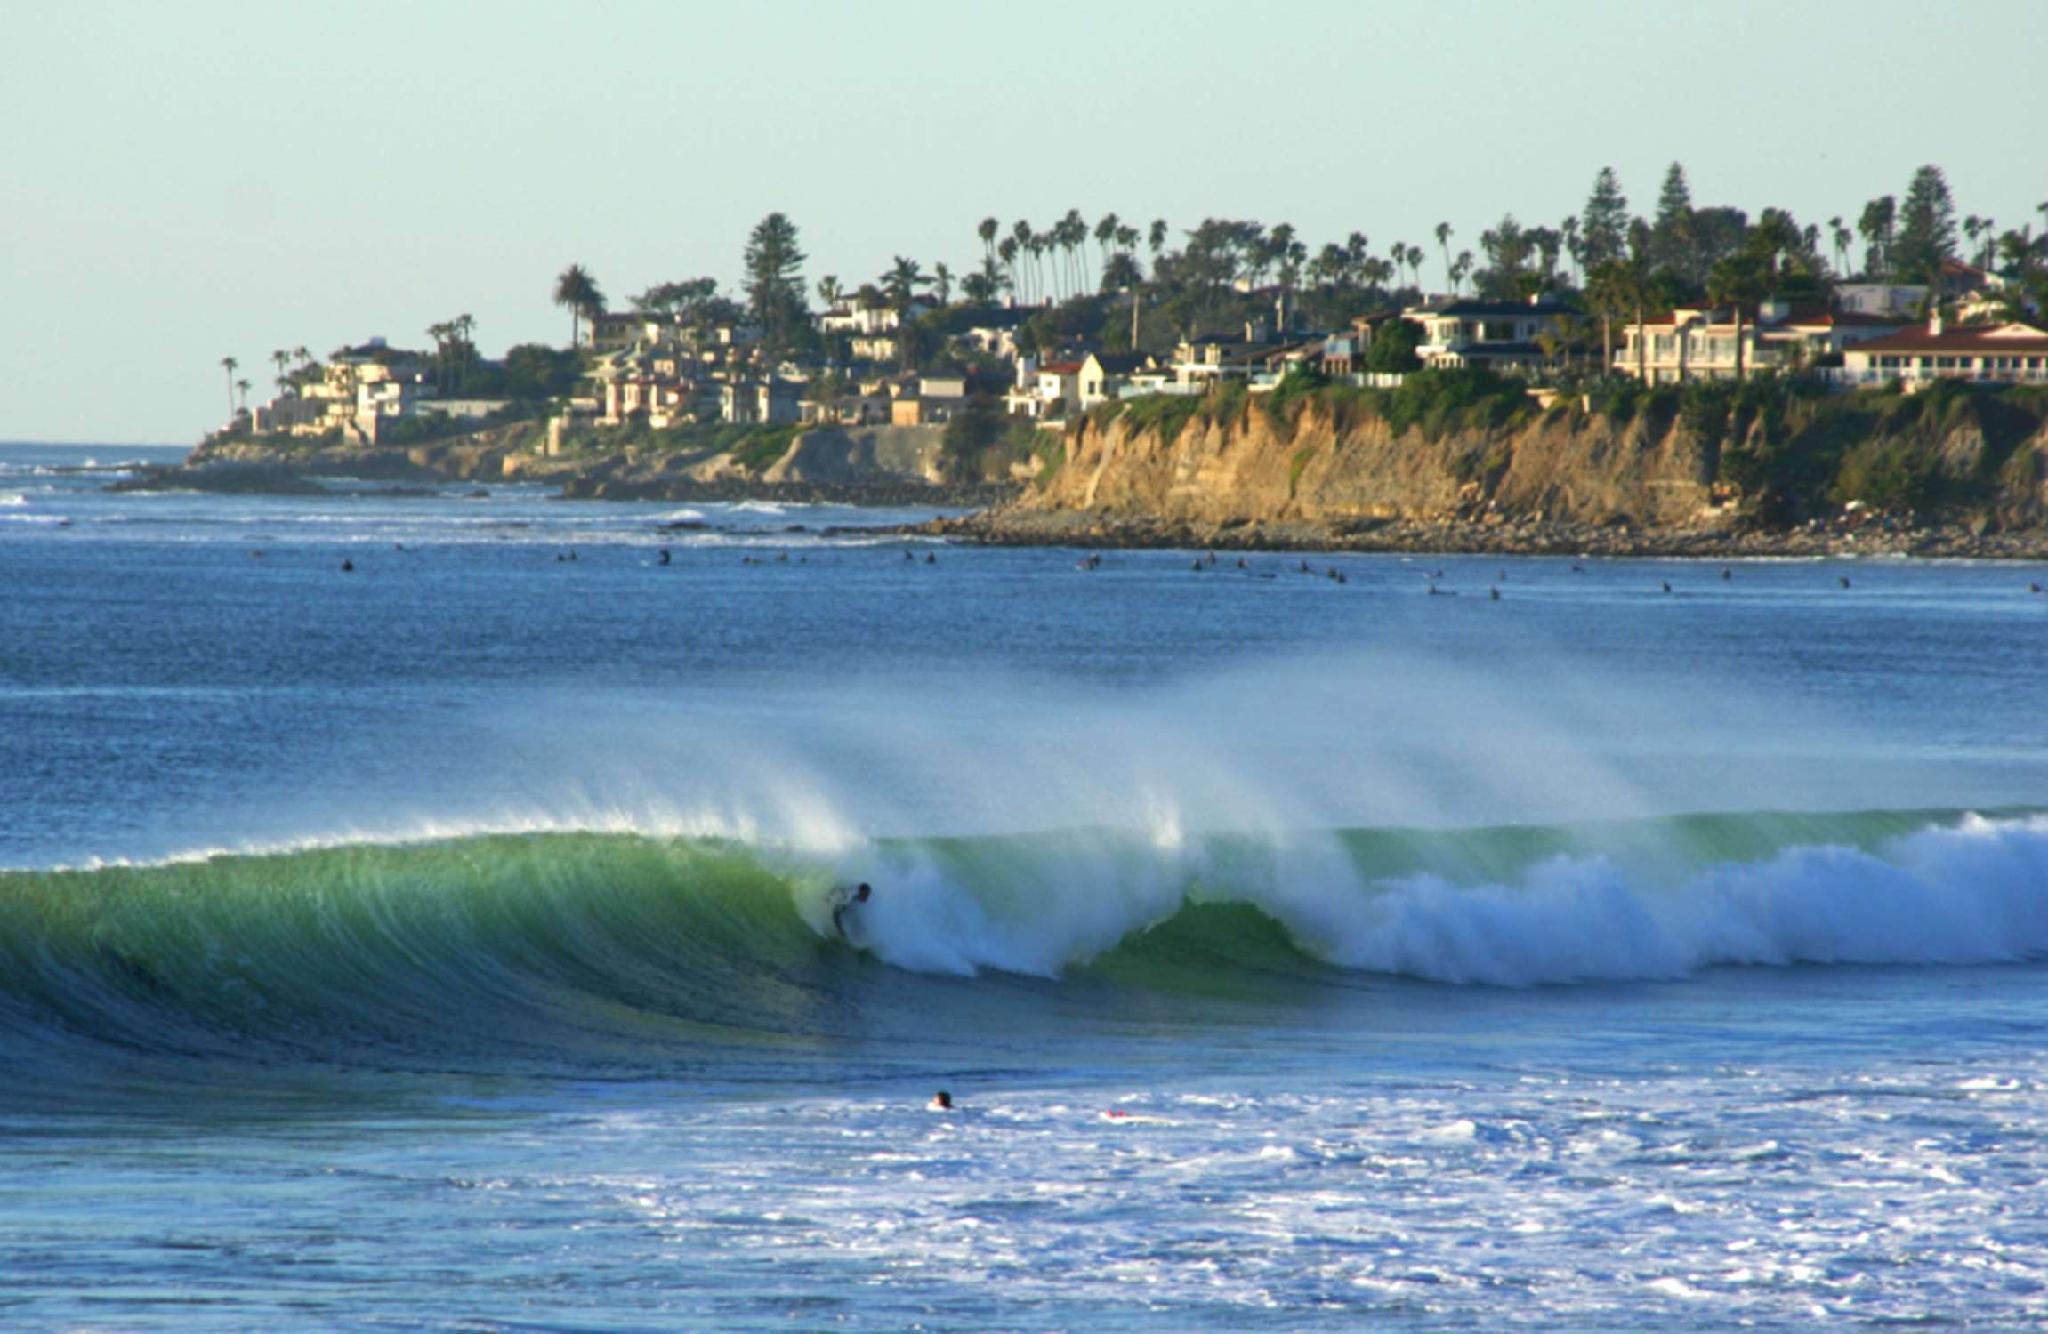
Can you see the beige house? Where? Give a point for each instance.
(1699, 343)
(657, 383)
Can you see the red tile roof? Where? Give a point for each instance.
(1984, 339)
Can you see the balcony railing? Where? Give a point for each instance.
(1847, 378)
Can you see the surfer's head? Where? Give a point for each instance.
(860, 894)
(942, 1101)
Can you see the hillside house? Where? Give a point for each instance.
(1995, 353)
(1699, 343)
(1497, 335)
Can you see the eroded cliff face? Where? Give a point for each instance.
(1316, 469)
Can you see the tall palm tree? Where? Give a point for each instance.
(1105, 235)
(987, 232)
(230, 365)
(1443, 240)
(242, 387)
(1021, 233)
(1006, 252)
(1074, 229)
(942, 283)
(576, 289)
(280, 359)
(1039, 244)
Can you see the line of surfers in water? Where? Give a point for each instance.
(1093, 561)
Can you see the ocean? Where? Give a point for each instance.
(446, 940)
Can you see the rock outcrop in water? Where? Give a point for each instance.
(869, 466)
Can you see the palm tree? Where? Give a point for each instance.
(942, 284)
(1640, 240)
(900, 284)
(1735, 279)
(1459, 268)
(242, 387)
(1607, 296)
(1105, 236)
(280, 359)
(829, 291)
(1021, 234)
(575, 289)
(1443, 240)
(1155, 235)
(1040, 243)
(987, 232)
(230, 365)
(1077, 249)
(1006, 252)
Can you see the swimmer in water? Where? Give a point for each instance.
(942, 1101)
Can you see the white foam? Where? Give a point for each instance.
(1976, 892)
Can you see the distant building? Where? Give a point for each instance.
(767, 402)
(1997, 353)
(1904, 299)
(1699, 342)
(993, 333)
(655, 384)
(1497, 335)
(1103, 376)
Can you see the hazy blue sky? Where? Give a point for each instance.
(184, 181)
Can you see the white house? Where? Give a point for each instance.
(1103, 374)
(1997, 353)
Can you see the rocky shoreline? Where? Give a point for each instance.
(1010, 526)
(607, 477)
(1010, 515)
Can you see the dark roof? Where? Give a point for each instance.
(1121, 363)
(1495, 308)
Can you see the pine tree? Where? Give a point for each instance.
(1672, 245)
(1603, 227)
(775, 285)
(1927, 228)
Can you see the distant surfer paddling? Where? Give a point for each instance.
(844, 901)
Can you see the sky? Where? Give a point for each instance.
(182, 182)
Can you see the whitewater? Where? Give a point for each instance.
(449, 941)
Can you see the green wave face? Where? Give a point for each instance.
(620, 952)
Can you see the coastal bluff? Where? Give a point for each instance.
(1964, 474)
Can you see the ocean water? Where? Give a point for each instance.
(448, 941)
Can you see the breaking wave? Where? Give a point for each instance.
(620, 947)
